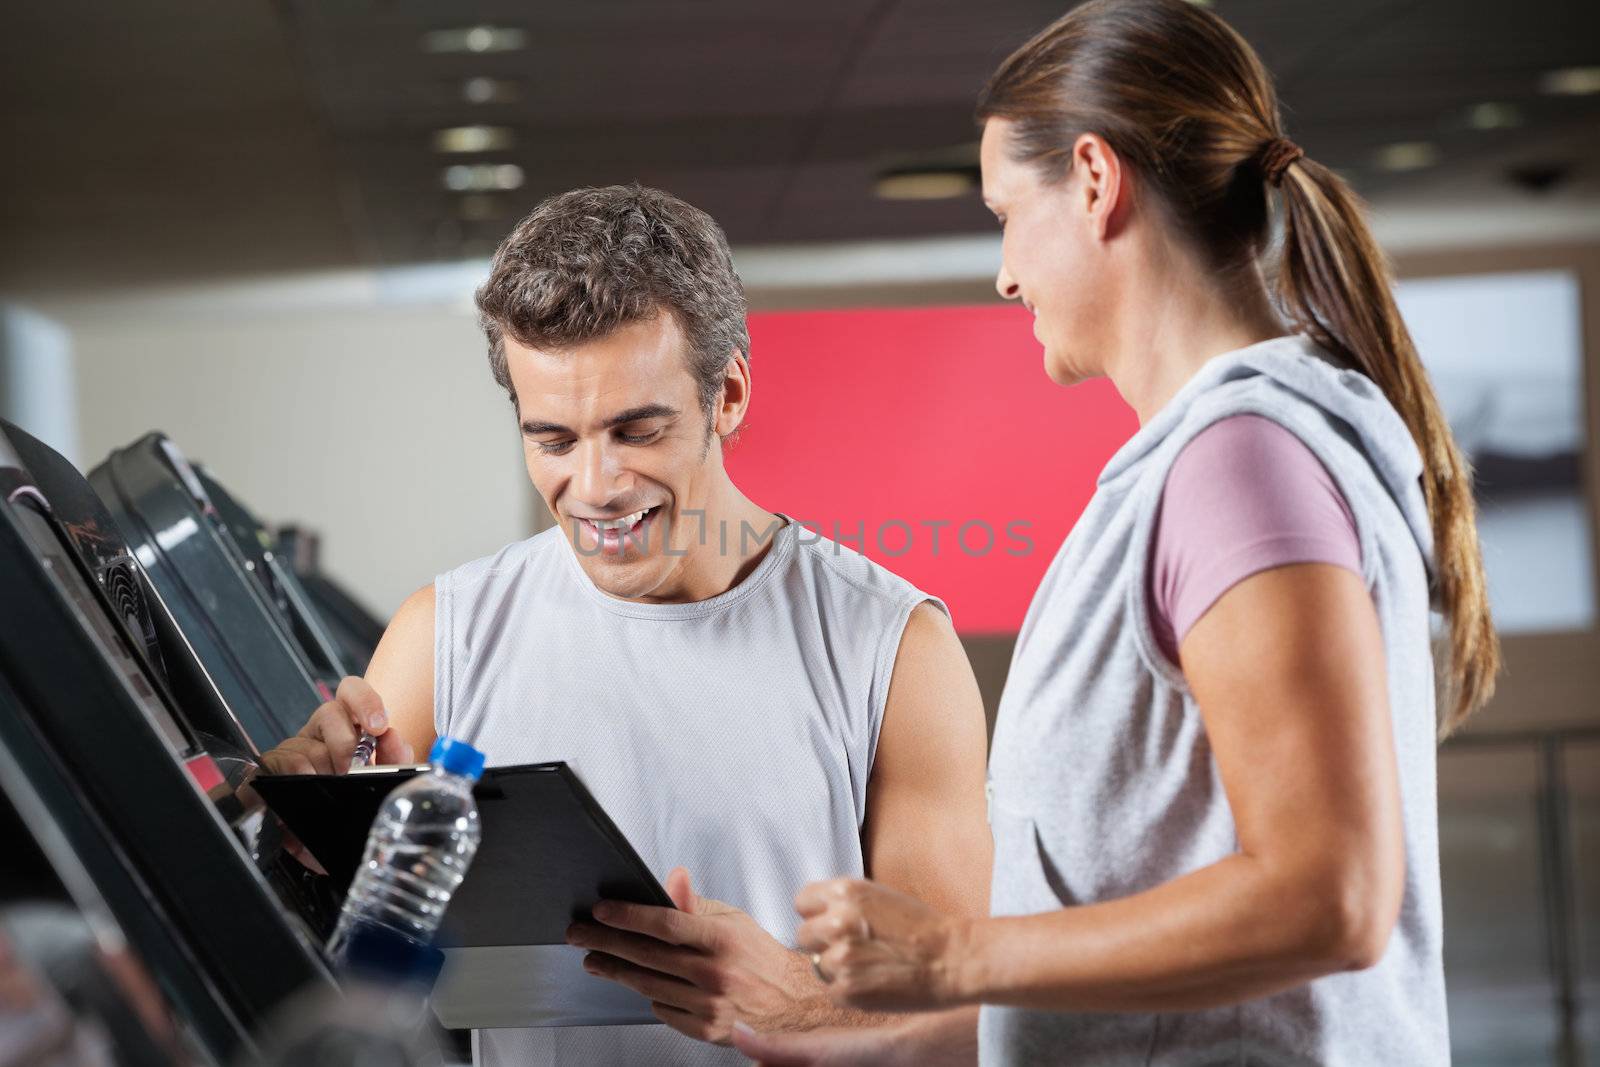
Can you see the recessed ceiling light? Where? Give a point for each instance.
(482, 177)
(473, 139)
(1572, 81)
(477, 39)
(926, 184)
(1493, 117)
(1406, 155)
(490, 91)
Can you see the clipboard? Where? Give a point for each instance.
(549, 852)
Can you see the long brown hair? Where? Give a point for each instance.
(1185, 102)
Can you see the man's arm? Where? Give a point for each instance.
(394, 702)
(926, 830)
(707, 965)
(402, 671)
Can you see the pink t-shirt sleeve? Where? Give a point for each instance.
(1244, 496)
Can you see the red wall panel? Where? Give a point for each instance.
(874, 427)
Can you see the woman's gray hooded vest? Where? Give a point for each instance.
(1102, 782)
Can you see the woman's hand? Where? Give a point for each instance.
(881, 950)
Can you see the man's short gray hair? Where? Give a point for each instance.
(590, 261)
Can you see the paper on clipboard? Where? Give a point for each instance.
(530, 985)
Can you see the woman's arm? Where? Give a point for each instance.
(1288, 670)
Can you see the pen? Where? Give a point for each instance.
(366, 745)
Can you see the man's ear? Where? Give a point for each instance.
(734, 399)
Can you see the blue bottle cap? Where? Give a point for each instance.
(457, 757)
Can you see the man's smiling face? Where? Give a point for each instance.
(619, 446)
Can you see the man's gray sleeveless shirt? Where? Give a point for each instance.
(733, 736)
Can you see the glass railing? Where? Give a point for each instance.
(1519, 843)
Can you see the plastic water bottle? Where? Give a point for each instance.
(417, 853)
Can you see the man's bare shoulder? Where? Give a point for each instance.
(928, 633)
(416, 611)
(401, 670)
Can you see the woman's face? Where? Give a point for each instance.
(1049, 258)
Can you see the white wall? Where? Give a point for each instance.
(359, 402)
(379, 427)
(36, 379)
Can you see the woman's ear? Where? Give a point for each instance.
(1104, 192)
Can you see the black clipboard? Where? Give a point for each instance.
(549, 852)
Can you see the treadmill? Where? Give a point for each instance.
(229, 592)
(90, 728)
(356, 629)
(56, 921)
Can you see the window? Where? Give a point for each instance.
(1505, 354)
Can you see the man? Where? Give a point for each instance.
(756, 705)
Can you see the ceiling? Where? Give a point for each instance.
(195, 139)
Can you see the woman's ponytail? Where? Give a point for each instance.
(1334, 281)
(1186, 102)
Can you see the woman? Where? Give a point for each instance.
(1212, 776)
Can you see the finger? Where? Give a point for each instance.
(780, 1050)
(315, 752)
(687, 1023)
(331, 726)
(817, 935)
(274, 762)
(680, 890)
(285, 760)
(297, 763)
(846, 923)
(393, 749)
(652, 985)
(363, 704)
(835, 964)
(664, 924)
(815, 898)
(338, 735)
(639, 949)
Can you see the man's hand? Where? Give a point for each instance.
(703, 966)
(880, 949)
(326, 742)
